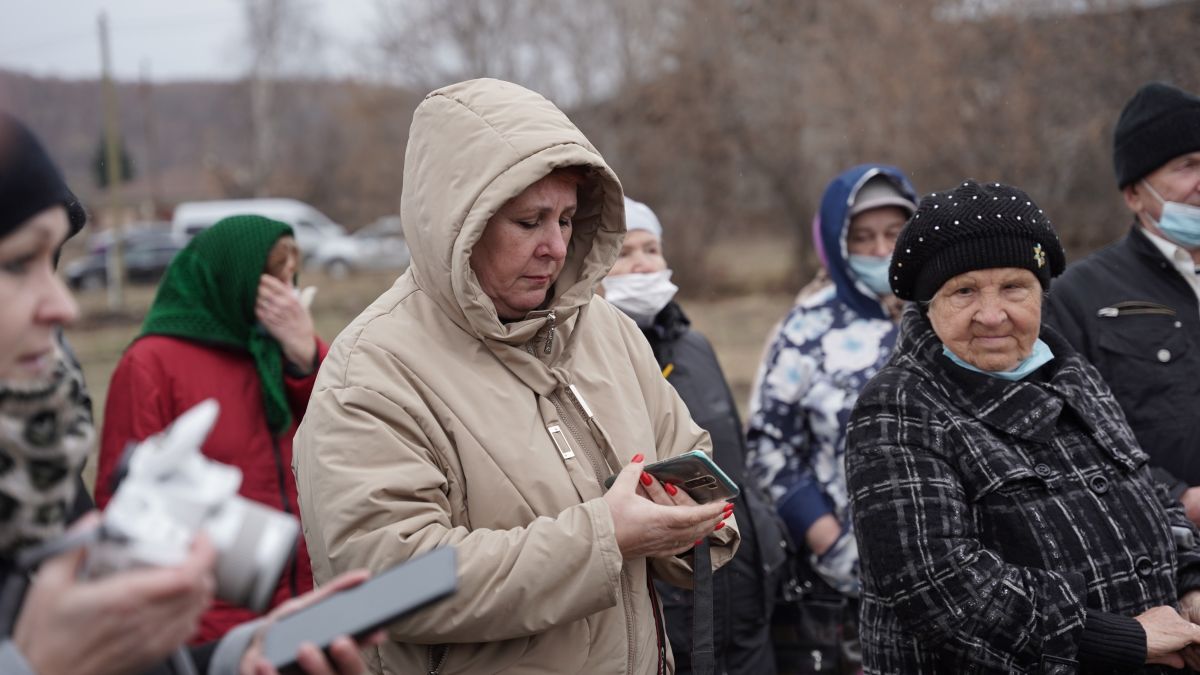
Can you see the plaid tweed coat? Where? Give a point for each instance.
(993, 516)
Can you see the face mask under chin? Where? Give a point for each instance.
(1178, 222)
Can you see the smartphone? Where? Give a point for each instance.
(358, 611)
(696, 473)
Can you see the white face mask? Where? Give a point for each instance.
(641, 296)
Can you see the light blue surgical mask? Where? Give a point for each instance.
(873, 272)
(1040, 356)
(1180, 222)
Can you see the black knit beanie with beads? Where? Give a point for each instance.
(29, 181)
(973, 227)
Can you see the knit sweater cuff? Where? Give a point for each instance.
(1112, 641)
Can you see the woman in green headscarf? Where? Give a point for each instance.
(227, 324)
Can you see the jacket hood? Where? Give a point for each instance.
(472, 147)
(832, 223)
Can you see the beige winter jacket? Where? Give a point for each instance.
(434, 424)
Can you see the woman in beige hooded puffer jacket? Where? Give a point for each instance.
(482, 400)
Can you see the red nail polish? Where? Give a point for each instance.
(719, 526)
(646, 479)
(726, 516)
(698, 542)
(671, 489)
(637, 458)
(729, 508)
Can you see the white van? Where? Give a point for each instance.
(312, 227)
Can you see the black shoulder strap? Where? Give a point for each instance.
(703, 659)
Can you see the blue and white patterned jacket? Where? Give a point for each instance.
(824, 352)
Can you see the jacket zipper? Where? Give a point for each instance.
(550, 335)
(1132, 308)
(570, 425)
(293, 582)
(437, 663)
(581, 407)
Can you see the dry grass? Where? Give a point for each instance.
(737, 327)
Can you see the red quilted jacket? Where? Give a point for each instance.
(159, 378)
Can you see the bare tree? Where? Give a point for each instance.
(282, 42)
(729, 117)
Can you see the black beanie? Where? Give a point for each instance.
(1157, 125)
(973, 227)
(29, 181)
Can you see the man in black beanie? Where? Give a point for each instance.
(1132, 308)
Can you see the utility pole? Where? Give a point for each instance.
(150, 170)
(112, 158)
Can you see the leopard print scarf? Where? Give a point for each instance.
(46, 434)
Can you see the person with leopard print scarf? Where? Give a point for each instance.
(52, 620)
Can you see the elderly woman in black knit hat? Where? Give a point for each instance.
(1006, 517)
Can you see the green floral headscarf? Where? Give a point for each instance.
(208, 295)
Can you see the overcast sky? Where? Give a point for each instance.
(177, 40)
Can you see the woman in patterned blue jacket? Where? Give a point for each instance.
(826, 349)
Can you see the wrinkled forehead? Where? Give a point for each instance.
(992, 276)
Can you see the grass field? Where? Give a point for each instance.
(737, 327)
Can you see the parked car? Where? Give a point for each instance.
(147, 253)
(313, 228)
(377, 246)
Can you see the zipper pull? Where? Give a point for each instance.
(550, 335)
(560, 441)
(1108, 312)
(579, 402)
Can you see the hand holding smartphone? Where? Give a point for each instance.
(696, 473)
(361, 610)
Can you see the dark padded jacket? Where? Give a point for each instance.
(744, 590)
(1126, 309)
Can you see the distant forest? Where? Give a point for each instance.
(727, 117)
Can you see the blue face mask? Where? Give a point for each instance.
(1180, 222)
(1039, 357)
(873, 272)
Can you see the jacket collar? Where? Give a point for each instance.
(669, 324)
(1028, 409)
(1139, 241)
